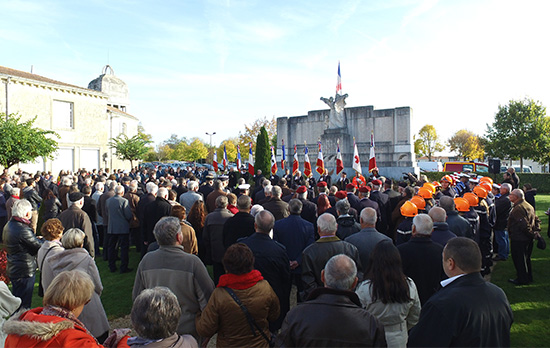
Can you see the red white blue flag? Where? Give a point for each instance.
(320, 162)
(283, 158)
(239, 162)
(356, 161)
(224, 159)
(372, 158)
(307, 163)
(273, 161)
(215, 161)
(250, 160)
(295, 162)
(339, 81)
(339, 162)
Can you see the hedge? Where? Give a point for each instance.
(540, 181)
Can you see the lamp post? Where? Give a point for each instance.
(210, 134)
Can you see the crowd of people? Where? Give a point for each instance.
(375, 262)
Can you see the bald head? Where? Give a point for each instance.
(438, 214)
(264, 222)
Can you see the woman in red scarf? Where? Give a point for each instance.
(224, 316)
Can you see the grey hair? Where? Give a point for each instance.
(295, 206)
(151, 188)
(119, 190)
(221, 202)
(166, 230)
(100, 186)
(66, 181)
(112, 184)
(438, 214)
(326, 223)
(507, 186)
(73, 238)
(156, 313)
(244, 202)
(424, 224)
(133, 185)
(71, 203)
(264, 221)
(217, 184)
(342, 206)
(447, 203)
(368, 216)
(276, 191)
(256, 208)
(163, 192)
(88, 181)
(21, 208)
(302, 195)
(340, 272)
(15, 191)
(192, 185)
(518, 193)
(333, 189)
(268, 189)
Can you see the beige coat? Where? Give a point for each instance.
(189, 242)
(397, 318)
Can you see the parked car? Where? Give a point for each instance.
(466, 166)
(429, 166)
(526, 169)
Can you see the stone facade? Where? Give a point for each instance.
(84, 131)
(392, 132)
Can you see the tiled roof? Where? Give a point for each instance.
(29, 76)
(113, 109)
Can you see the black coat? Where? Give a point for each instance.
(52, 208)
(309, 211)
(347, 226)
(241, 225)
(21, 246)
(459, 225)
(421, 260)
(469, 312)
(384, 205)
(153, 212)
(272, 261)
(296, 234)
(503, 208)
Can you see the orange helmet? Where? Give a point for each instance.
(462, 204)
(419, 202)
(472, 199)
(447, 178)
(436, 184)
(425, 192)
(486, 179)
(480, 191)
(429, 186)
(485, 184)
(409, 209)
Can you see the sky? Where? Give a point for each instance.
(194, 67)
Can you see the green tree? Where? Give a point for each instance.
(427, 142)
(129, 149)
(143, 135)
(230, 148)
(21, 142)
(466, 144)
(520, 130)
(196, 150)
(251, 132)
(262, 159)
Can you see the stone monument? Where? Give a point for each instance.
(394, 147)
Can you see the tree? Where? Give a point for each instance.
(196, 150)
(251, 132)
(262, 160)
(129, 149)
(230, 148)
(467, 145)
(21, 142)
(427, 142)
(520, 130)
(143, 135)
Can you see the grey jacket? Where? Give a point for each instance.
(184, 274)
(93, 316)
(120, 215)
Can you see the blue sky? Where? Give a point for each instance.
(202, 66)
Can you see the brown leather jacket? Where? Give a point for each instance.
(133, 200)
(224, 316)
(523, 222)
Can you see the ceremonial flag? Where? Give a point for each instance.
(356, 160)
(320, 162)
(283, 158)
(295, 163)
(339, 81)
(372, 159)
(250, 160)
(339, 162)
(224, 159)
(307, 164)
(215, 161)
(273, 161)
(239, 162)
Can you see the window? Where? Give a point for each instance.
(63, 114)
(124, 129)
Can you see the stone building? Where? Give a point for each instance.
(84, 118)
(392, 132)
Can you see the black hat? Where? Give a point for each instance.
(75, 196)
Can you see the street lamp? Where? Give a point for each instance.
(210, 134)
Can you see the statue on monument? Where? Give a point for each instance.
(337, 117)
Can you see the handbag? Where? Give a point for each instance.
(541, 243)
(249, 317)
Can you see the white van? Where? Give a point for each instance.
(428, 166)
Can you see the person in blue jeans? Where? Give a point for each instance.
(503, 207)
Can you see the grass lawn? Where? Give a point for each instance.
(530, 303)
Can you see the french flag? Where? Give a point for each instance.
(215, 161)
(224, 159)
(250, 160)
(295, 163)
(320, 162)
(283, 158)
(339, 81)
(273, 161)
(307, 164)
(372, 158)
(239, 162)
(339, 162)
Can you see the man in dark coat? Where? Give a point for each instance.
(309, 209)
(296, 234)
(347, 224)
(241, 225)
(467, 311)
(503, 207)
(393, 195)
(333, 316)
(353, 200)
(441, 233)
(317, 254)
(275, 205)
(383, 201)
(152, 213)
(421, 258)
(213, 236)
(366, 202)
(342, 181)
(272, 261)
(151, 189)
(75, 217)
(457, 224)
(102, 211)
